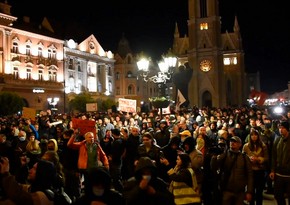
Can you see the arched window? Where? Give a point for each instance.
(15, 47)
(131, 90)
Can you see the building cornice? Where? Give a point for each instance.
(81, 54)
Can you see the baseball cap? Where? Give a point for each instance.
(236, 139)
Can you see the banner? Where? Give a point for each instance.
(29, 113)
(127, 105)
(91, 107)
(84, 126)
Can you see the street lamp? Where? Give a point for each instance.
(166, 69)
(53, 102)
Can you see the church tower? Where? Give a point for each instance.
(216, 58)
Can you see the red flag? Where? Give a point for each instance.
(258, 97)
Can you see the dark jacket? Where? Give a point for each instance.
(236, 171)
(97, 176)
(281, 156)
(135, 195)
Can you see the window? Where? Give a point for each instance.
(39, 52)
(203, 26)
(100, 87)
(53, 54)
(118, 91)
(79, 67)
(235, 60)
(15, 73)
(71, 84)
(131, 90)
(109, 71)
(28, 73)
(15, 47)
(230, 61)
(28, 49)
(227, 61)
(92, 84)
(71, 74)
(70, 64)
(117, 76)
(49, 51)
(110, 86)
(52, 74)
(40, 74)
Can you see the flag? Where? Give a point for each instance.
(180, 99)
(258, 97)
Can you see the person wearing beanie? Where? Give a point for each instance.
(280, 169)
(42, 176)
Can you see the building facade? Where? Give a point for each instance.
(31, 64)
(217, 59)
(88, 68)
(128, 81)
(48, 72)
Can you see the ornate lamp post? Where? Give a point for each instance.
(53, 102)
(166, 68)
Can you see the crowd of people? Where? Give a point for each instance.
(208, 156)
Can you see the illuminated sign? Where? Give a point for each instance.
(38, 91)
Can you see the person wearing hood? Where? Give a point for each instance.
(145, 187)
(168, 159)
(41, 177)
(98, 189)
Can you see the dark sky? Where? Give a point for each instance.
(149, 27)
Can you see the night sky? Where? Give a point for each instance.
(149, 27)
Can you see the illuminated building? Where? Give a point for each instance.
(46, 71)
(217, 59)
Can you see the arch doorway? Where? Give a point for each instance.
(206, 99)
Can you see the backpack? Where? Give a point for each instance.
(58, 197)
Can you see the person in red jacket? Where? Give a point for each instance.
(91, 154)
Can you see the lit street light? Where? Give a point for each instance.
(166, 69)
(53, 102)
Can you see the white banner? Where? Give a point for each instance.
(91, 107)
(127, 105)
